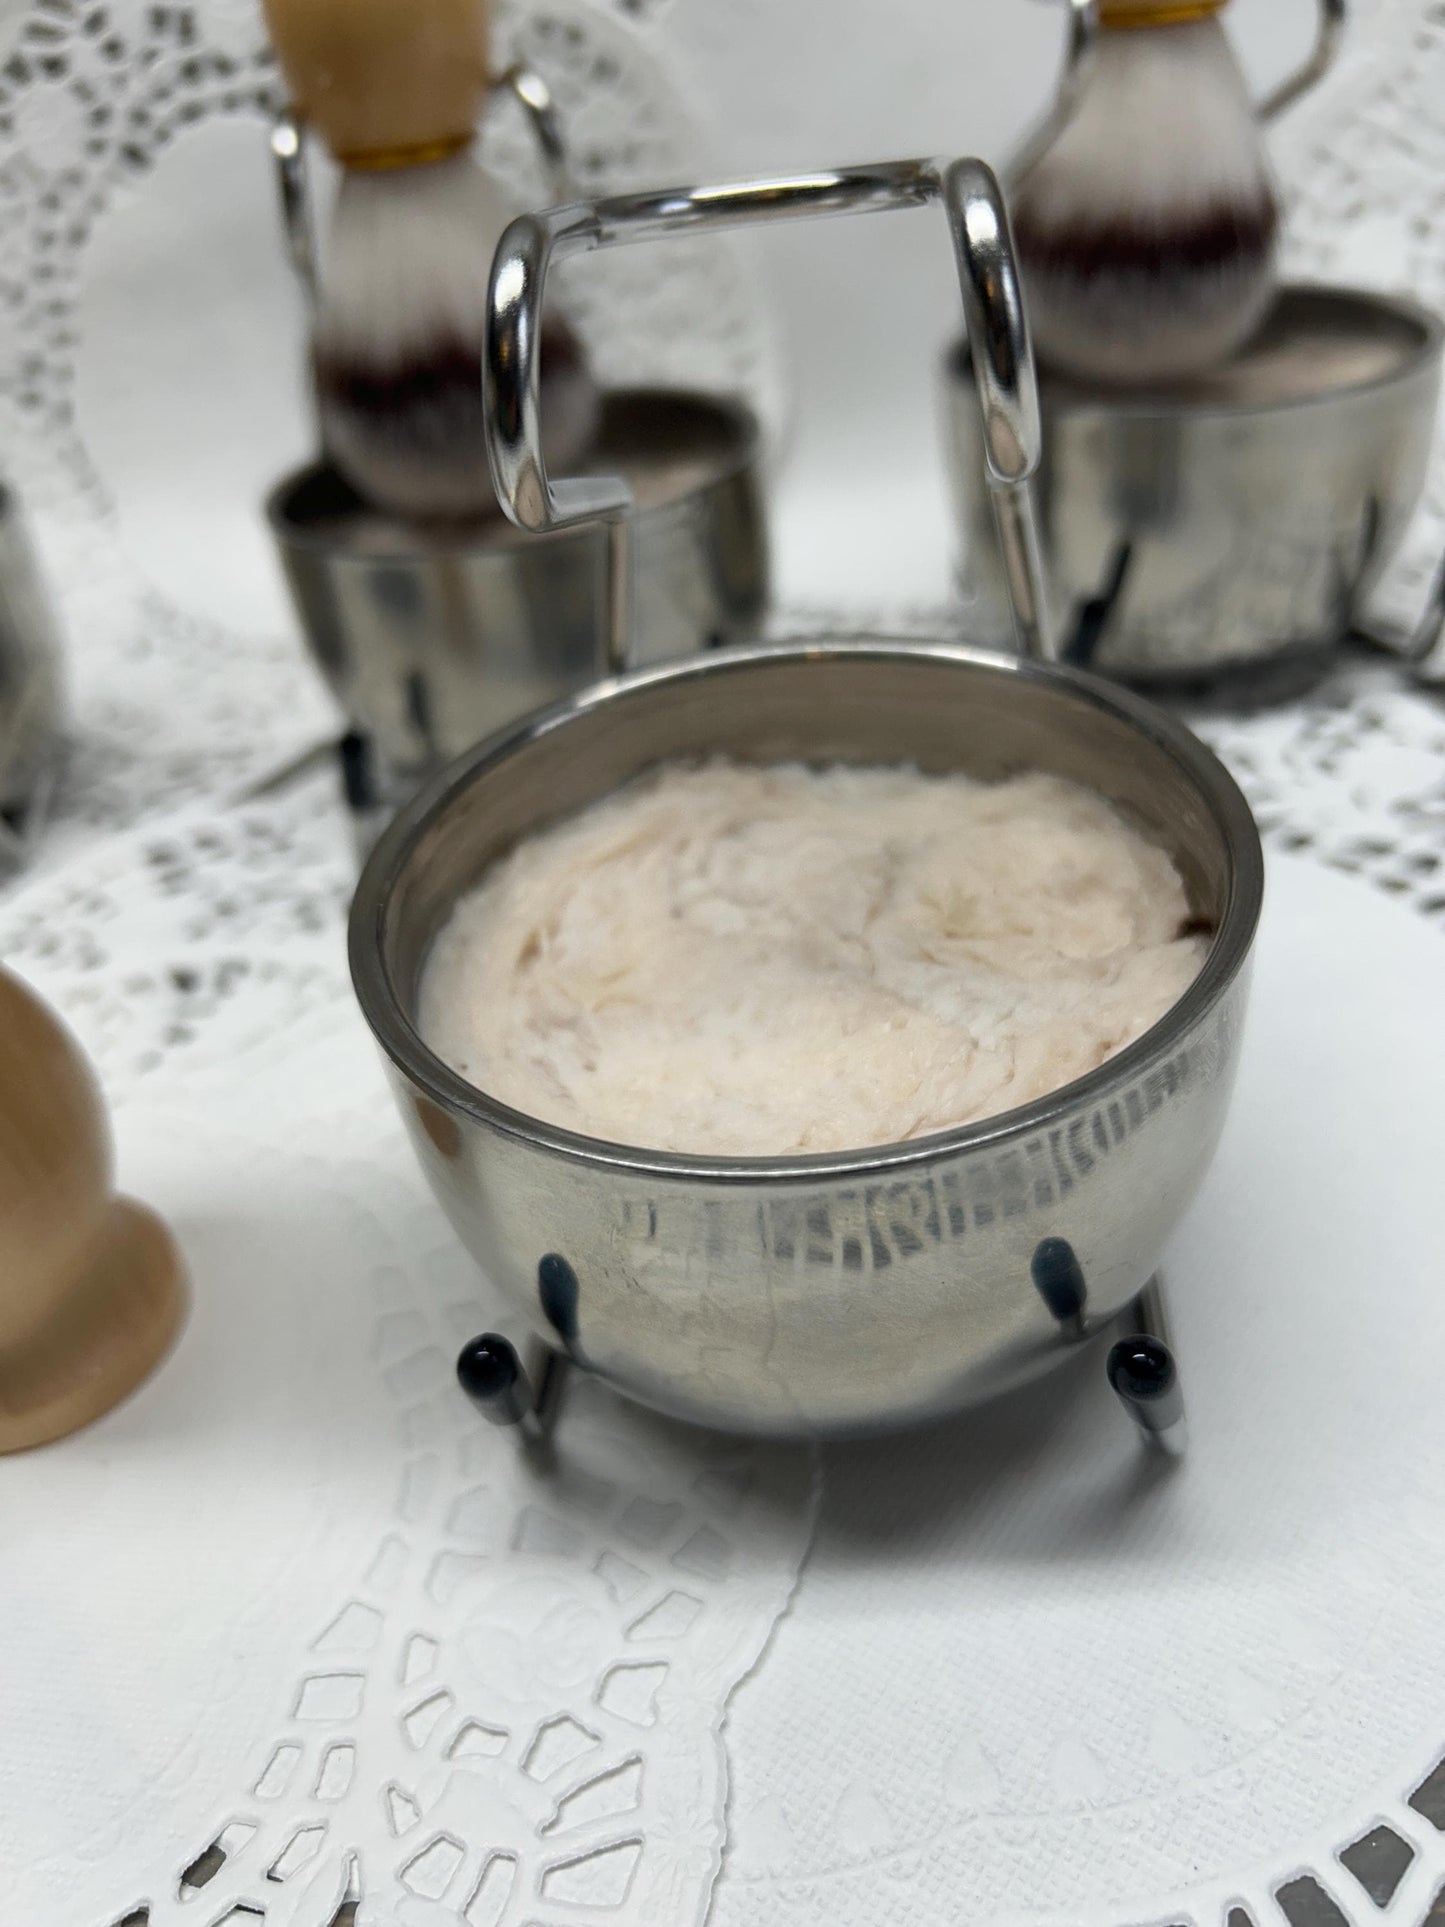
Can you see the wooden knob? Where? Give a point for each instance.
(386, 83)
(91, 1285)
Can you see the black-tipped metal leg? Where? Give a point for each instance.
(505, 1393)
(490, 1373)
(1144, 1372)
(363, 790)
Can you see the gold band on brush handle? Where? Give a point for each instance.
(1163, 13)
(386, 83)
(381, 160)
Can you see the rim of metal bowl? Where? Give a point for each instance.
(1087, 403)
(394, 1030)
(494, 534)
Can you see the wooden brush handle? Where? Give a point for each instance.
(386, 83)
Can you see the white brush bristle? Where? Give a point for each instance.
(398, 340)
(407, 258)
(1146, 231)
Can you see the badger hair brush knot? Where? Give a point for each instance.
(1147, 227)
(395, 89)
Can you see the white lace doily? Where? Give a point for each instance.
(391, 1658)
(233, 1689)
(1078, 1686)
(1016, 1683)
(194, 938)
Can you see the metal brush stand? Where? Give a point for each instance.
(434, 634)
(1151, 502)
(362, 788)
(1141, 1367)
(365, 791)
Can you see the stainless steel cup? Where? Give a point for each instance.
(431, 638)
(1223, 522)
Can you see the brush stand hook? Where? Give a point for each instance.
(1329, 34)
(993, 312)
(288, 154)
(1079, 48)
(1084, 24)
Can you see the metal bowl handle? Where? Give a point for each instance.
(993, 313)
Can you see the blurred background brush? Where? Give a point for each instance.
(396, 91)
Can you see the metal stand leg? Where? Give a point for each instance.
(1144, 1374)
(363, 790)
(505, 1392)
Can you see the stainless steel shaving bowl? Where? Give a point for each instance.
(832, 1294)
(1218, 523)
(433, 636)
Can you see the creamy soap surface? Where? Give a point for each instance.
(752, 961)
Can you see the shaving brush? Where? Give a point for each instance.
(395, 89)
(1147, 228)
